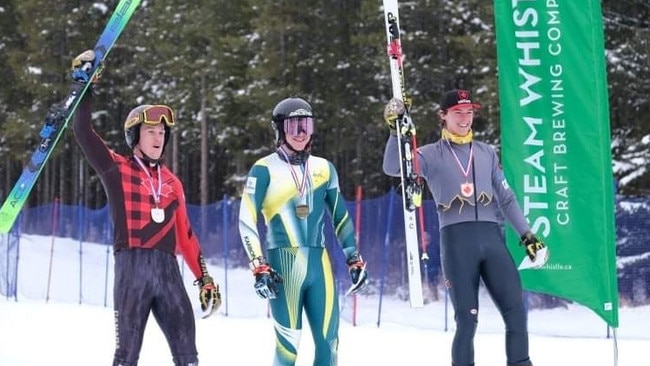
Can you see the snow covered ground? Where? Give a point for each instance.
(48, 326)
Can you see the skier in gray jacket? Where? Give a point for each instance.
(468, 186)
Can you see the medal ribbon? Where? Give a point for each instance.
(155, 194)
(300, 186)
(465, 171)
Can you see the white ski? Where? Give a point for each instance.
(411, 186)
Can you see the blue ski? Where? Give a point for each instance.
(59, 116)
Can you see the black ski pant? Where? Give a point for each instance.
(149, 280)
(472, 251)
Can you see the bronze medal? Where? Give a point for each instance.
(302, 211)
(302, 208)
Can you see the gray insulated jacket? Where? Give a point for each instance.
(444, 176)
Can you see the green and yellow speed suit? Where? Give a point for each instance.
(295, 246)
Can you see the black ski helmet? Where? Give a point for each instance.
(289, 107)
(132, 126)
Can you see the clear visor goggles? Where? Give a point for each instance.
(153, 115)
(293, 126)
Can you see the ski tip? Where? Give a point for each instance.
(211, 309)
(208, 313)
(349, 291)
(540, 261)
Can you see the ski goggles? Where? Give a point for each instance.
(293, 126)
(153, 115)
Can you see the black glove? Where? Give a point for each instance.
(266, 278)
(358, 273)
(82, 67)
(209, 295)
(532, 245)
(393, 111)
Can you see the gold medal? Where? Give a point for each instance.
(467, 189)
(302, 211)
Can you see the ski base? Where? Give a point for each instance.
(57, 119)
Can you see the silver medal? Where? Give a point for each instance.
(158, 215)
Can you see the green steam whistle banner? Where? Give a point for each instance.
(556, 140)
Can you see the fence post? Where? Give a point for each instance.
(226, 246)
(15, 233)
(384, 267)
(358, 230)
(7, 262)
(80, 220)
(54, 232)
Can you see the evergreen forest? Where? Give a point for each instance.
(224, 64)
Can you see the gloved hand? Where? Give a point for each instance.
(532, 245)
(266, 278)
(358, 273)
(82, 66)
(392, 112)
(209, 295)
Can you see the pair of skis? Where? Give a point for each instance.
(58, 117)
(411, 181)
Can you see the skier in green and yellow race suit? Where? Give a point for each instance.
(292, 189)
